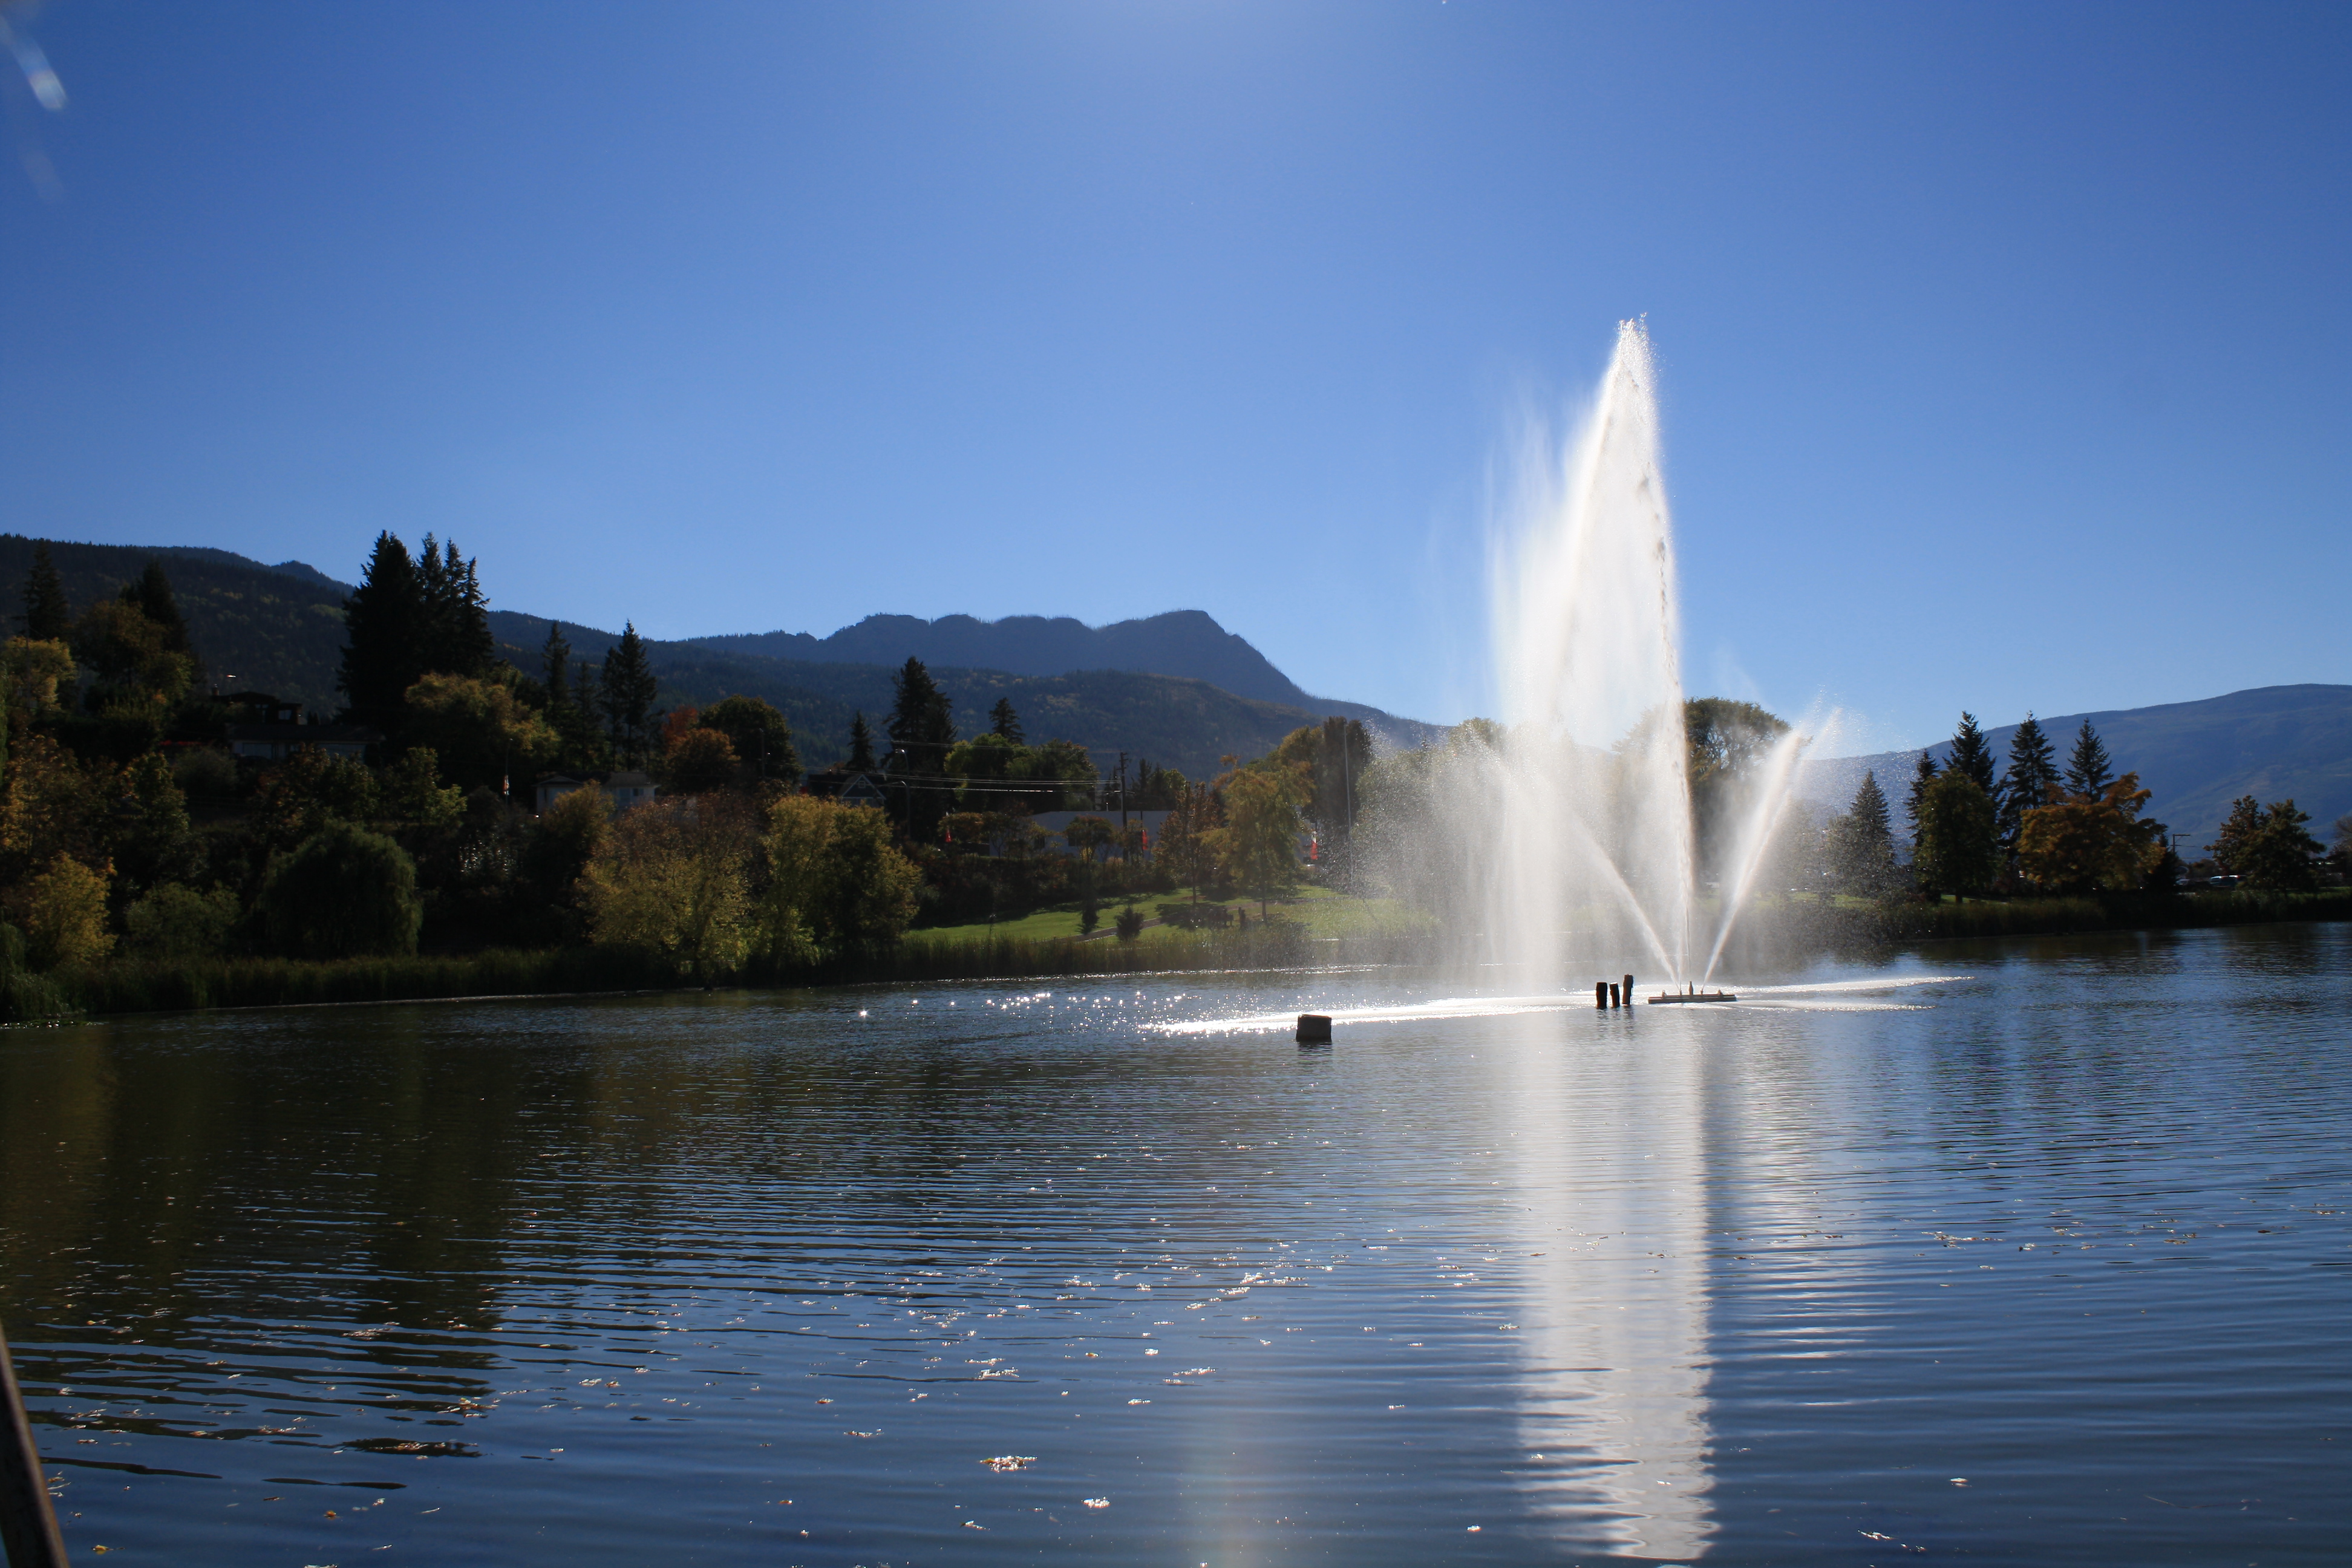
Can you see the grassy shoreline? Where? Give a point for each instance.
(131, 985)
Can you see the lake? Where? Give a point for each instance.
(2039, 1250)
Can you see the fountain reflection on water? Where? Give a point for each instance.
(1593, 853)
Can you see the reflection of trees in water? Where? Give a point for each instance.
(223, 1199)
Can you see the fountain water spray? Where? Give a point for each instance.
(1569, 830)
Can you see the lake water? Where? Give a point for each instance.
(2049, 1259)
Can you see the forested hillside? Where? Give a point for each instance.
(280, 629)
(2273, 742)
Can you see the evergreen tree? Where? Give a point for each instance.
(588, 694)
(456, 616)
(151, 595)
(1869, 811)
(1924, 775)
(1861, 844)
(1003, 721)
(555, 657)
(47, 616)
(383, 621)
(921, 726)
(1971, 756)
(861, 746)
(629, 691)
(2032, 773)
(2089, 770)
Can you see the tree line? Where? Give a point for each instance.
(1979, 827)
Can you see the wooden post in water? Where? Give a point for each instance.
(1614, 1001)
(1629, 991)
(1313, 1028)
(28, 1526)
(1601, 994)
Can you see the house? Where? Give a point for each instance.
(850, 789)
(269, 731)
(622, 790)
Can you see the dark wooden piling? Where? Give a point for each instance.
(28, 1525)
(1615, 999)
(1629, 991)
(1601, 994)
(1313, 1028)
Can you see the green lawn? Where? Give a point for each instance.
(1322, 912)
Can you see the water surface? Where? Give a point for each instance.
(2046, 1260)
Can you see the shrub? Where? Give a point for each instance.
(205, 773)
(177, 922)
(24, 995)
(344, 893)
(1130, 923)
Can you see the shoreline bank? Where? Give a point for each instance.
(131, 985)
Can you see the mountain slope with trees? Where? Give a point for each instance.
(281, 629)
(2274, 742)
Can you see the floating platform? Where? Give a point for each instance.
(1668, 997)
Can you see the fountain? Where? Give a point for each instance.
(1567, 831)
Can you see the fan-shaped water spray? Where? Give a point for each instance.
(1569, 830)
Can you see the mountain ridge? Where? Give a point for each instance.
(2275, 742)
(279, 628)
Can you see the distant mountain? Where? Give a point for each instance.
(277, 629)
(1186, 643)
(280, 629)
(2274, 742)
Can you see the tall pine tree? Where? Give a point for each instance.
(921, 726)
(1861, 843)
(456, 616)
(1003, 721)
(151, 595)
(2032, 773)
(47, 618)
(555, 657)
(2089, 770)
(1921, 778)
(1971, 756)
(629, 691)
(861, 746)
(384, 623)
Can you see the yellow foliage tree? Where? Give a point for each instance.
(1258, 846)
(2080, 843)
(834, 880)
(30, 671)
(63, 913)
(671, 879)
(479, 730)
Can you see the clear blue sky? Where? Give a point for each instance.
(2005, 346)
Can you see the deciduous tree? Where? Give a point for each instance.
(1958, 848)
(2091, 843)
(344, 893)
(2272, 848)
(480, 731)
(759, 734)
(671, 880)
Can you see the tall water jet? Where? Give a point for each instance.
(1593, 785)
